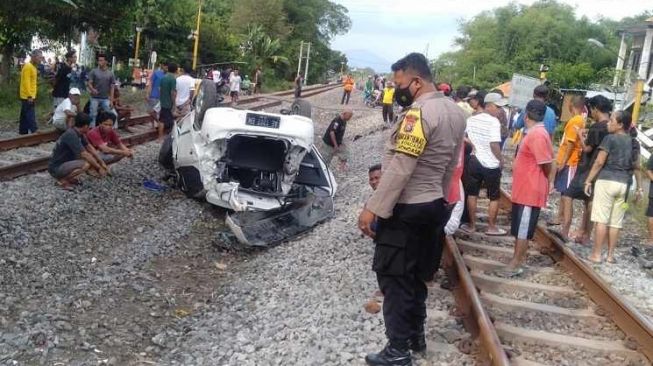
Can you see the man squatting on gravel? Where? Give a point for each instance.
(73, 155)
(410, 207)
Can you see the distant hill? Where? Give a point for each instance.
(364, 58)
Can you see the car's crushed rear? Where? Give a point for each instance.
(263, 167)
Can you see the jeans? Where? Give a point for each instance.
(345, 97)
(27, 122)
(102, 103)
(388, 114)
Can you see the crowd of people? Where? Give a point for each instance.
(449, 145)
(89, 141)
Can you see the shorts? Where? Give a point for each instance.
(576, 189)
(328, 152)
(60, 124)
(109, 158)
(524, 221)
(167, 118)
(478, 174)
(183, 109)
(608, 203)
(153, 105)
(563, 178)
(66, 168)
(649, 209)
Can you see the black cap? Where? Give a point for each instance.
(536, 110)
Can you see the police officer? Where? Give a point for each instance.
(409, 205)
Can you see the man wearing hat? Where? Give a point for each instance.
(64, 114)
(485, 164)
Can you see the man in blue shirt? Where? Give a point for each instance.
(152, 91)
(541, 92)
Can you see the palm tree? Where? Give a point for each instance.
(261, 48)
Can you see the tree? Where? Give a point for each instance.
(260, 49)
(518, 38)
(268, 15)
(54, 20)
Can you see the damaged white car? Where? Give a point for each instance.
(263, 167)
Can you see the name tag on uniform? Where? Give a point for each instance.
(410, 138)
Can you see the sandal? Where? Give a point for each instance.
(509, 273)
(467, 229)
(499, 232)
(65, 186)
(611, 261)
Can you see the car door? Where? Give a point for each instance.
(314, 172)
(183, 149)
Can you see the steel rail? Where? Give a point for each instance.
(625, 315)
(16, 170)
(53, 134)
(470, 308)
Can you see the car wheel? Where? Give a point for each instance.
(165, 154)
(190, 182)
(206, 98)
(301, 107)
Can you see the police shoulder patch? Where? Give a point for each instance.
(410, 138)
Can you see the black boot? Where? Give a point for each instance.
(417, 343)
(390, 356)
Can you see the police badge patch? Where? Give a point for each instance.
(410, 138)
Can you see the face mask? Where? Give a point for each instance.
(403, 97)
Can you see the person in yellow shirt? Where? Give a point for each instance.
(28, 77)
(388, 99)
(567, 160)
(348, 86)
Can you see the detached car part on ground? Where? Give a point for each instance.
(262, 167)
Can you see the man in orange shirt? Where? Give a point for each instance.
(348, 85)
(567, 161)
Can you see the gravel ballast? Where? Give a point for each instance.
(116, 274)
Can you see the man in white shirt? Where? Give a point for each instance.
(234, 86)
(64, 114)
(185, 91)
(484, 136)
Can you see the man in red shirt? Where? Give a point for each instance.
(530, 185)
(105, 139)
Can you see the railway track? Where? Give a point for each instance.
(559, 312)
(30, 154)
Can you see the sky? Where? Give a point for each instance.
(384, 30)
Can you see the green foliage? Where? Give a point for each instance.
(266, 32)
(518, 38)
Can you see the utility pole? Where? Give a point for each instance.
(138, 42)
(197, 34)
(299, 64)
(639, 89)
(308, 57)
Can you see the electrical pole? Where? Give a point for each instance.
(299, 65)
(197, 34)
(138, 42)
(308, 57)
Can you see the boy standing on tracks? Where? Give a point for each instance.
(167, 97)
(388, 100)
(28, 90)
(348, 86)
(530, 186)
(567, 161)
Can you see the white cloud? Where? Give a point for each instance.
(391, 28)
